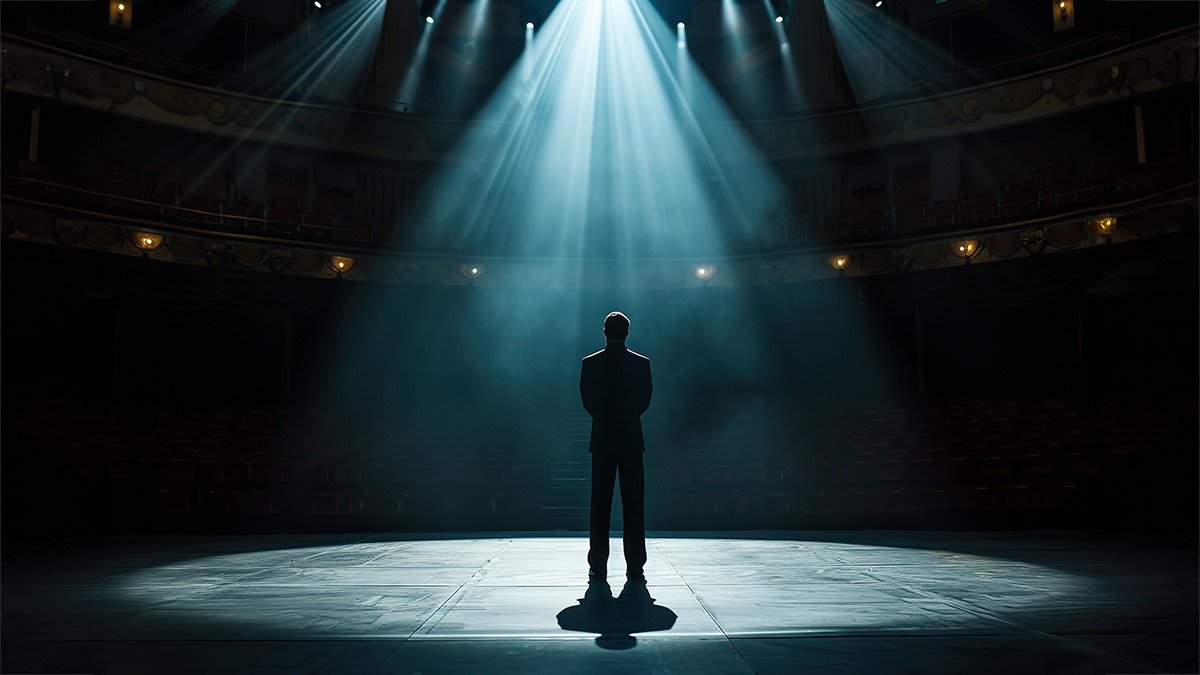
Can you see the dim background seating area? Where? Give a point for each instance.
(976, 464)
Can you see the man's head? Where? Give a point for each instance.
(616, 326)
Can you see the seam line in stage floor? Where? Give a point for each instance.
(449, 603)
(699, 601)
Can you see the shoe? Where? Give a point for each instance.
(594, 573)
(635, 575)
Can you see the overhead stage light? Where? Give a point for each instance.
(317, 4)
(529, 25)
(778, 18)
(429, 19)
(879, 3)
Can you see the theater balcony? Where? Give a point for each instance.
(1022, 156)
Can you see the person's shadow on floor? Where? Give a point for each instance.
(616, 619)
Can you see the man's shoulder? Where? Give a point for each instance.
(638, 356)
(593, 355)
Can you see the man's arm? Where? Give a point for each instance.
(587, 389)
(647, 389)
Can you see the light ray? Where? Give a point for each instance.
(791, 78)
(601, 152)
(410, 86)
(881, 58)
(347, 40)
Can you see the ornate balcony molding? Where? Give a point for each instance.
(41, 220)
(40, 71)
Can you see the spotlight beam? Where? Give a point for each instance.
(595, 148)
(880, 57)
(410, 86)
(347, 26)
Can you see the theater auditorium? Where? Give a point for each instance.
(473, 336)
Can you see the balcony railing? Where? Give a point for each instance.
(125, 199)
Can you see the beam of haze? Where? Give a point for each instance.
(347, 37)
(410, 86)
(592, 148)
(604, 143)
(790, 78)
(881, 58)
(329, 58)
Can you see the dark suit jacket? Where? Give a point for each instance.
(615, 386)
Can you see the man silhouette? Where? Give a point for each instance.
(615, 386)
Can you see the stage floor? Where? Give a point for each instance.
(735, 602)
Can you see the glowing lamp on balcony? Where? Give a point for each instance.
(965, 248)
(120, 13)
(1103, 225)
(1064, 14)
(147, 241)
(705, 272)
(840, 261)
(341, 264)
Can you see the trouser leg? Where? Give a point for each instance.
(604, 475)
(633, 504)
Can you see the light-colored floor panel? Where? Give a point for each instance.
(992, 602)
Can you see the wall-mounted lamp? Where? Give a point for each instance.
(965, 248)
(120, 13)
(840, 261)
(705, 272)
(471, 271)
(1103, 225)
(1064, 14)
(147, 241)
(341, 264)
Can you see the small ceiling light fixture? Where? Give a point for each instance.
(879, 3)
(680, 26)
(429, 19)
(1103, 225)
(471, 271)
(965, 248)
(341, 264)
(529, 25)
(840, 261)
(705, 272)
(147, 241)
(778, 18)
(317, 4)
